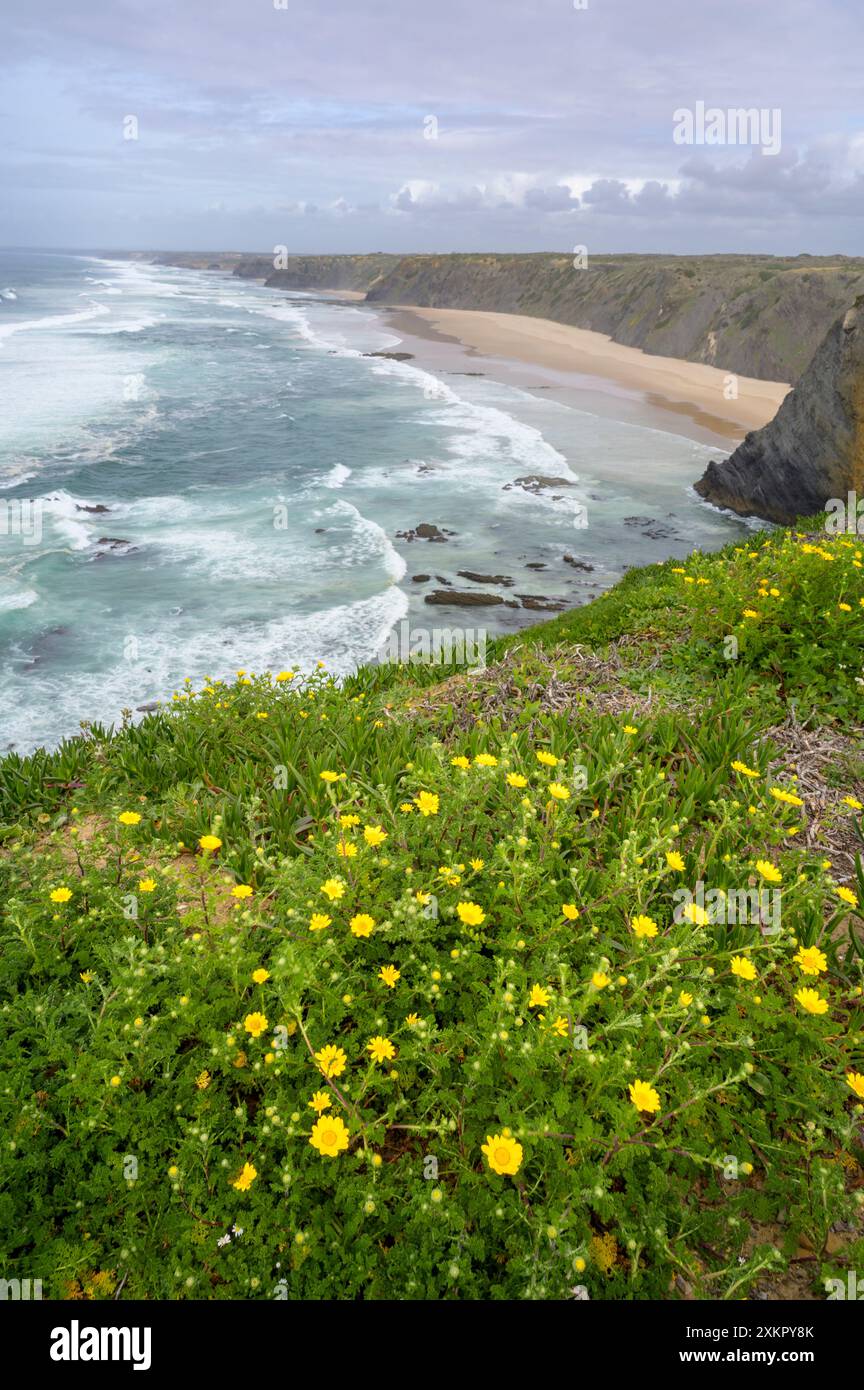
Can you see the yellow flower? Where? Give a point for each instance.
(856, 1081)
(476, 865)
(260, 976)
(129, 818)
(427, 803)
(599, 980)
(319, 921)
(347, 821)
(644, 1097)
(388, 975)
(115, 1080)
(674, 860)
(853, 802)
(502, 1152)
(538, 998)
(461, 761)
(86, 976)
(241, 890)
(685, 999)
(768, 871)
(244, 1180)
(327, 776)
(570, 911)
(515, 779)
(561, 1026)
(374, 835)
(381, 1049)
(486, 760)
(811, 1001)
(334, 889)
(285, 676)
(696, 914)
(346, 850)
(848, 896)
(412, 1020)
(745, 770)
(471, 914)
(320, 1101)
(362, 924)
(644, 926)
(559, 791)
(202, 1080)
(750, 613)
(329, 1136)
(147, 885)
(547, 759)
(210, 842)
(743, 968)
(255, 1024)
(331, 1060)
(60, 895)
(810, 960)
(788, 798)
(406, 807)
(630, 729)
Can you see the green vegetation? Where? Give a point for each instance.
(408, 988)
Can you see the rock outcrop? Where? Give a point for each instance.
(813, 449)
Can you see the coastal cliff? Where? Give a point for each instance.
(757, 316)
(813, 449)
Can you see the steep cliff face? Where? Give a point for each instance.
(754, 315)
(813, 449)
(318, 272)
(758, 316)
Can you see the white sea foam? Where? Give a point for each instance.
(53, 320)
(338, 475)
(17, 598)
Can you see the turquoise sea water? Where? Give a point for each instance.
(254, 467)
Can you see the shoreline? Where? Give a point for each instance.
(560, 356)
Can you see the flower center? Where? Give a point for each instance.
(502, 1155)
(329, 1139)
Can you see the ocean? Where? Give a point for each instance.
(198, 475)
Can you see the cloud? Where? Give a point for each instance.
(545, 117)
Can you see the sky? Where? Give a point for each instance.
(432, 125)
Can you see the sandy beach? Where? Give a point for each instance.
(692, 391)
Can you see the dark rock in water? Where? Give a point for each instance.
(420, 578)
(542, 604)
(98, 510)
(535, 565)
(426, 531)
(114, 545)
(537, 482)
(459, 598)
(466, 373)
(652, 528)
(393, 356)
(485, 578)
(578, 564)
(442, 580)
(813, 449)
(148, 708)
